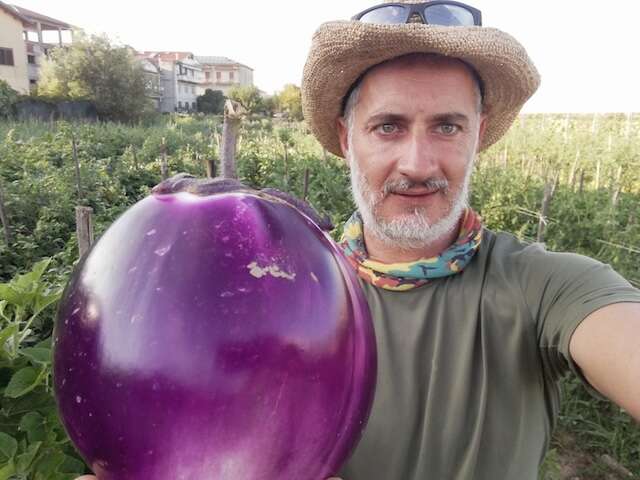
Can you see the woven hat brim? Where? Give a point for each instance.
(341, 51)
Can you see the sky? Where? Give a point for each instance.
(586, 52)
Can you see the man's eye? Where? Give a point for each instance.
(387, 128)
(448, 128)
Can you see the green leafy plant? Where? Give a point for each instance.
(33, 444)
(8, 98)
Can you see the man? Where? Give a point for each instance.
(474, 329)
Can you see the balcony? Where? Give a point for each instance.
(190, 79)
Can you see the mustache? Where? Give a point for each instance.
(403, 184)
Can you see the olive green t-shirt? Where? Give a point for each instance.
(468, 365)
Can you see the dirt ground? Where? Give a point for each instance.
(576, 464)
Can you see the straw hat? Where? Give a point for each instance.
(342, 51)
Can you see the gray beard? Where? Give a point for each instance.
(413, 230)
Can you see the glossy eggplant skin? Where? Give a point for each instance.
(214, 337)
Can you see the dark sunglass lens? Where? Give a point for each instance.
(449, 15)
(391, 14)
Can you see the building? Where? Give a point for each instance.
(13, 50)
(152, 78)
(26, 37)
(181, 80)
(222, 73)
(41, 35)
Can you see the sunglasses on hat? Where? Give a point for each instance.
(438, 12)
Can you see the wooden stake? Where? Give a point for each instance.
(572, 175)
(549, 190)
(84, 229)
(164, 167)
(4, 218)
(76, 160)
(627, 128)
(598, 168)
(305, 185)
(135, 157)
(233, 112)
(594, 129)
(286, 165)
(617, 188)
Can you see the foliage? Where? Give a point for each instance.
(212, 101)
(33, 443)
(8, 97)
(248, 96)
(289, 101)
(269, 105)
(119, 164)
(94, 69)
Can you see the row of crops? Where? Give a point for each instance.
(590, 163)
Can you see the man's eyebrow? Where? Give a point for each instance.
(451, 117)
(446, 117)
(386, 117)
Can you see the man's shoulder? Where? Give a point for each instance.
(526, 257)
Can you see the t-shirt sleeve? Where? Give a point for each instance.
(561, 290)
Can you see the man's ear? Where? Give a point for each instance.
(343, 135)
(481, 131)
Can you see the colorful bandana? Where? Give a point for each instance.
(408, 275)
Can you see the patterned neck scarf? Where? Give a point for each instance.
(407, 275)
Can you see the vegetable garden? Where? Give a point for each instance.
(570, 181)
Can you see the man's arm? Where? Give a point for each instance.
(606, 347)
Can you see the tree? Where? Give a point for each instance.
(212, 101)
(8, 97)
(248, 96)
(269, 105)
(94, 69)
(290, 101)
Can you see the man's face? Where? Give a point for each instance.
(414, 133)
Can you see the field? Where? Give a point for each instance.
(571, 181)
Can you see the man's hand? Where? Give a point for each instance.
(183, 182)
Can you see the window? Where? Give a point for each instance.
(193, 105)
(6, 56)
(218, 76)
(207, 75)
(31, 59)
(193, 89)
(179, 105)
(230, 76)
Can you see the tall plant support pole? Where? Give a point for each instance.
(627, 128)
(549, 190)
(164, 166)
(617, 188)
(76, 161)
(233, 112)
(305, 185)
(84, 229)
(4, 219)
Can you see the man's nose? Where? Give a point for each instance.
(418, 159)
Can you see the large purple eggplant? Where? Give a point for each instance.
(214, 337)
